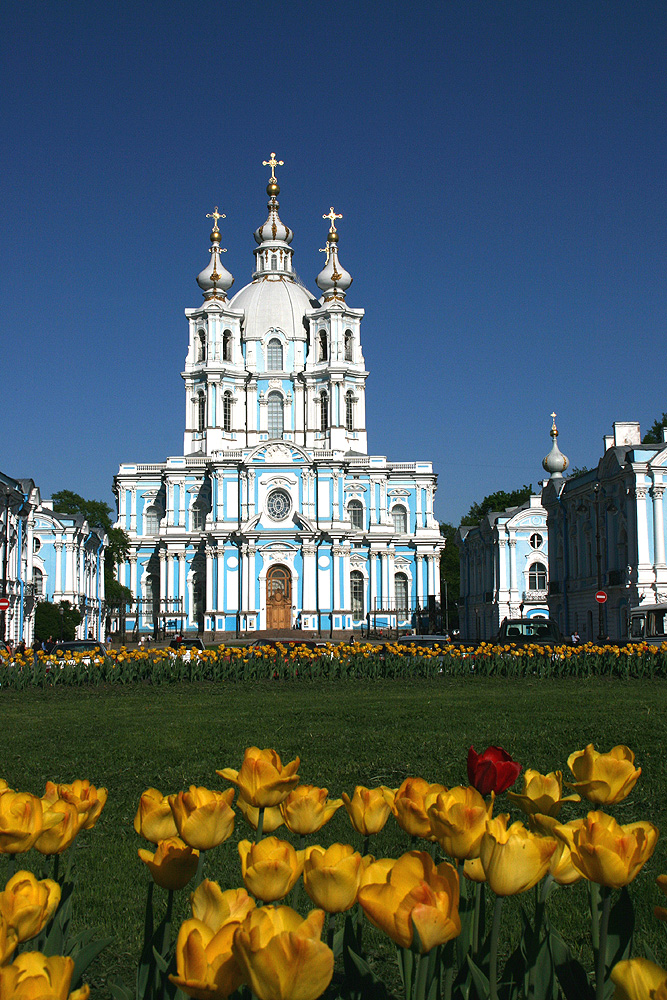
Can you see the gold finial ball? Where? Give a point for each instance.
(333, 236)
(215, 236)
(272, 189)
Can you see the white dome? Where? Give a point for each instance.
(274, 302)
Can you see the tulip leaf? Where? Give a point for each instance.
(480, 981)
(84, 955)
(359, 976)
(620, 930)
(160, 961)
(571, 973)
(119, 991)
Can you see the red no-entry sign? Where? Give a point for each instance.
(4, 603)
(600, 597)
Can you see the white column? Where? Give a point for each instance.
(221, 580)
(346, 578)
(643, 560)
(384, 566)
(252, 551)
(69, 566)
(309, 553)
(512, 552)
(133, 573)
(182, 576)
(419, 562)
(371, 501)
(209, 578)
(433, 591)
(338, 553)
(244, 589)
(658, 526)
(181, 499)
(163, 578)
(133, 508)
(372, 590)
(391, 573)
(418, 497)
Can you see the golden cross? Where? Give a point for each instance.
(553, 417)
(215, 215)
(332, 217)
(326, 250)
(273, 163)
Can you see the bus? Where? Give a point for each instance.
(648, 623)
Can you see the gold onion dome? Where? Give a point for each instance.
(273, 229)
(555, 462)
(215, 279)
(333, 278)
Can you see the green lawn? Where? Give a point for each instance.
(370, 733)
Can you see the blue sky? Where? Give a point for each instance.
(501, 168)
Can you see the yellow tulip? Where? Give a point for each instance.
(637, 979)
(206, 967)
(263, 780)
(33, 976)
(59, 837)
(415, 893)
(375, 871)
(281, 954)
(203, 818)
(560, 867)
(369, 808)
(270, 868)
(331, 876)
(410, 803)
(215, 907)
(603, 778)
(513, 858)
(473, 870)
(173, 864)
(273, 818)
(458, 820)
(21, 821)
(659, 911)
(88, 799)
(154, 819)
(8, 940)
(606, 852)
(307, 808)
(28, 904)
(542, 793)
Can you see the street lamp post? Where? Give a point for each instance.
(598, 557)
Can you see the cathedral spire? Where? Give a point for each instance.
(555, 462)
(273, 229)
(215, 279)
(333, 279)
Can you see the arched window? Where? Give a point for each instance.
(201, 345)
(401, 592)
(274, 262)
(201, 412)
(400, 519)
(227, 345)
(151, 521)
(275, 415)
(357, 594)
(323, 353)
(349, 411)
(324, 411)
(537, 577)
(38, 580)
(348, 345)
(198, 518)
(227, 411)
(355, 509)
(274, 355)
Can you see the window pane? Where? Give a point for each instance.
(349, 412)
(401, 591)
(357, 594)
(275, 415)
(356, 511)
(324, 411)
(227, 411)
(400, 519)
(274, 356)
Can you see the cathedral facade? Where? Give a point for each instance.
(276, 516)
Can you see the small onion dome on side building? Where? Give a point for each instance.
(333, 279)
(555, 462)
(215, 280)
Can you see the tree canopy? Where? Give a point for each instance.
(654, 433)
(497, 501)
(50, 623)
(98, 513)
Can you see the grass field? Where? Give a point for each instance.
(369, 733)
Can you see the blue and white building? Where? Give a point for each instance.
(46, 556)
(504, 569)
(275, 514)
(606, 534)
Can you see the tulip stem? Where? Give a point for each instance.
(56, 867)
(200, 869)
(476, 918)
(493, 949)
(367, 841)
(260, 824)
(602, 946)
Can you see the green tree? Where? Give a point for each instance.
(98, 514)
(450, 575)
(496, 501)
(50, 622)
(654, 433)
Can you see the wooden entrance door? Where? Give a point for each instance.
(278, 598)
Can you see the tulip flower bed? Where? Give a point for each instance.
(331, 662)
(433, 813)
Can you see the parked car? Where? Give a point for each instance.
(524, 631)
(63, 650)
(185, 647)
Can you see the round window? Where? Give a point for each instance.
(278, 505)
(536, 540)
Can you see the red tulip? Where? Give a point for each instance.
(492, 771)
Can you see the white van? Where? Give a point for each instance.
(648, 623)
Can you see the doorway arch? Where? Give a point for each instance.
(278, 598)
